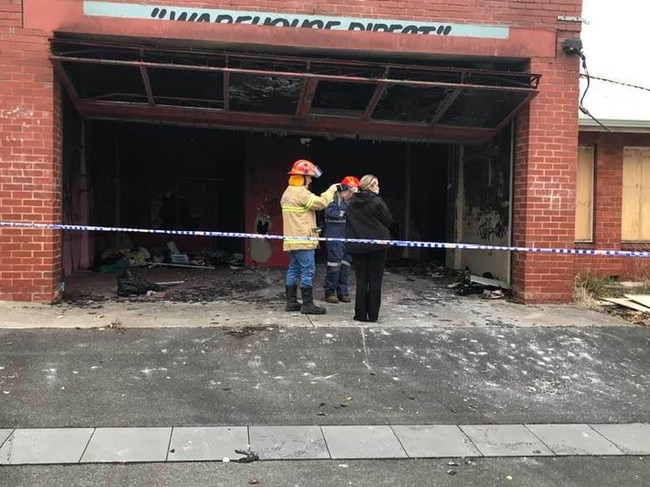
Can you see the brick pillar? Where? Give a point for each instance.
(545, 183)
(30, 161)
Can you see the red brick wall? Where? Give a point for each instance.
(30, 161)
(545, 182)
(528, 13)
(608, 198)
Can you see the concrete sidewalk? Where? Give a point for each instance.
(130, 445)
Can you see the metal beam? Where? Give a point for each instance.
(515, 112)
(147, 85)
(289, 74)
(226, 91)
(306, 97)
(67, 84)
(277, 58)
(374, 99)
(444, 106)
(288, 123)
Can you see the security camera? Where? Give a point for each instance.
(572, 46)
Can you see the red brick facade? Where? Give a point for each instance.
(30, 161)
(544, 181)
(547, 133)
(608, 197)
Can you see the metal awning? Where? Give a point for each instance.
(127, 80)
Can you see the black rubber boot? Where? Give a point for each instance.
(308, 306)
(292, 299)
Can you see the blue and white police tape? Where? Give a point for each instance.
(390, 243)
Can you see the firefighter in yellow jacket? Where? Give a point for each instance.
(299, 206)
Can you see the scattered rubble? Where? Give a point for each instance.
(129, 283)
(225, 289)
(247, 331)
(116, 326)
(257, 285)
(249, 456)
(113, 260)
(629, 303)
(486, 286)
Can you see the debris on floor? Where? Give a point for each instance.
(261, 286)
(116, 326)
(434, 270)
(169, 255)
(486, 286)
(629, 303)
(247, 331)
(627, 300)
(631, 307)
(249, 456)
(130, 283)
(642, 299)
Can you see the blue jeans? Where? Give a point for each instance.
(302, 265)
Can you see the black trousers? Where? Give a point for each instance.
(369, 271)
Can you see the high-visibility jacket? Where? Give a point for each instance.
(299, 207)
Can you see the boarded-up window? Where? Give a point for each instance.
(585, 195)
(636, 194)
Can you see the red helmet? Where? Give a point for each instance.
(350, 182)
(303, 167)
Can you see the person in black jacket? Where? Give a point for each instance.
(368, 217)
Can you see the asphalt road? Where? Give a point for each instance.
(520, 472)
(272, 376)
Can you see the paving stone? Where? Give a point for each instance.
(505, 440)
(439, 441)
(128, 445)
(573, 439)
(362, 442)
(4, 434)
(213, 443)
(630, 438)
(288, 442)
(49, 445)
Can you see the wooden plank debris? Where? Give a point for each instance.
(628, 303)
(642, 299)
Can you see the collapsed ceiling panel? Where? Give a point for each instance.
(128, 80)
(271, 94)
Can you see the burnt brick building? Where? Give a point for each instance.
(187, 114)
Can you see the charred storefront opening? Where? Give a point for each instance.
(169, 177)
(154, 177)
(188, 138)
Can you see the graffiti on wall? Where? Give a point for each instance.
(492, 227)
(487, 190)
(319, 22)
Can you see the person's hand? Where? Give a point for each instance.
(333, 187)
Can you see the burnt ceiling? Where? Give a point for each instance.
(130, 81)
